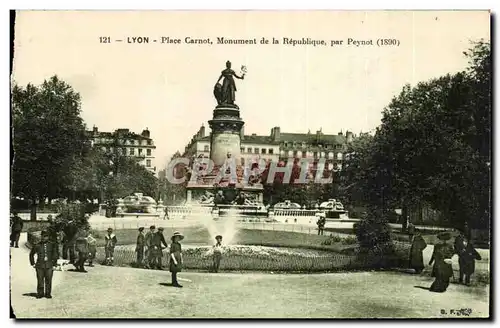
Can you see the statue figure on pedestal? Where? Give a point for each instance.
(225, 93)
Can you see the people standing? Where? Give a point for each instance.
(165, 215)
(441, 257)
(109, 246)
(158, 241)
(150, 253)
(467, 261)
(176, 257)
(82, 250)
(139, 248)
(16, 228)
(217, 253)
(92, 244)
(46, 259)
(416, 252)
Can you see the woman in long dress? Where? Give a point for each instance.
(176, 257)
(228, 90)
(416, 257)
(441, 257)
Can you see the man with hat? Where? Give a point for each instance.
(158, 240)
(139, 247)
(149, 247)
(442, 269)
(176, 257)
(46, 259)
(217, 256)
(109, 246)
(16, 225)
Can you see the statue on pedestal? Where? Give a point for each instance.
(225, 93)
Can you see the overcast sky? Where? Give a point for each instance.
(169, 88)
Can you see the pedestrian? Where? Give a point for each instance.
(158, 241)
(139, 248)
(82, 250)
(165, 216)
(16, 225)
(416, 252)
(150, 252)
(69, 241)
(441, 257)
(467, 261)
(92, 245)
(46, 259)
(176, 257)
(109, 246)
(217, 253)
(411, 229)
(321, 223)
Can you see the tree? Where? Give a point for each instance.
(48, 137)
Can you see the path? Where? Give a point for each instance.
(106, 292)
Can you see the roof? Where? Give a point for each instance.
(259, 140)
(313, 137)
(122, 134)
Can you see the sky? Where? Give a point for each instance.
(168, 88)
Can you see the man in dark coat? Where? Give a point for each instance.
(158, 240)
(16, 228)
(416, 256)
(139, 247)
(321, 223)
(467, 257)
(150, 252)
(46, 259)
(82, 250)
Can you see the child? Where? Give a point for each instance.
(176, 257)
(92, 244)
(109, 246)
(217, 253)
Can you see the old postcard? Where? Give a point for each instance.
(251, 164)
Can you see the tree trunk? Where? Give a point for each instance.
(33, 210)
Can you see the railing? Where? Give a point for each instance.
(295, 212)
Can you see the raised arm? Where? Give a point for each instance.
(238, 77)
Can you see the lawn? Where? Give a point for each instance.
(106, 292)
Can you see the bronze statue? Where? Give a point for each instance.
(225, 92)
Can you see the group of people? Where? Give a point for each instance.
(149, 249)
(442, 270)
(16, 226)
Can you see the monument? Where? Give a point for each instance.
(225, 184)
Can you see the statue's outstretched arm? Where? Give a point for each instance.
(239, 77)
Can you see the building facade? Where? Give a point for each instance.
(139, 146)
(280, 146)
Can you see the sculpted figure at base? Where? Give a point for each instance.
(225, 93)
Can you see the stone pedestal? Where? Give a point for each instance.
(225, 137)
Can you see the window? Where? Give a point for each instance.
(303, 145)
(285, 144)
(322, 154)
(330, 155)
(339, 156)
(263, 150)
(242, 149)
(140, 151)
(271, 151)
(148, 152)
(338, 146)
(315, 154)
(206, 148)
(149, 142)
(148, 163)
(304, 154)
(256, 150)
(132, 151)
(249, 150)
(290, 153)
(294, 154)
